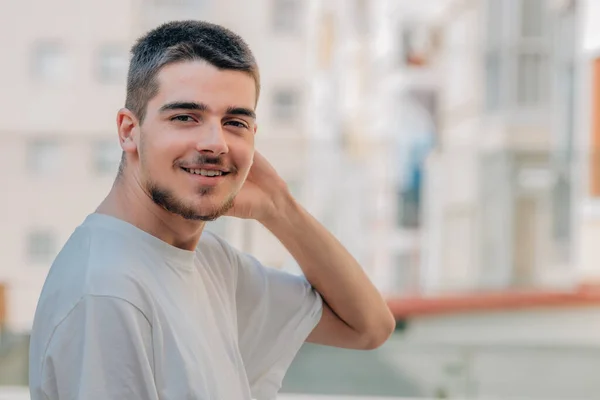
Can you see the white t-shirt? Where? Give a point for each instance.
(124, 315)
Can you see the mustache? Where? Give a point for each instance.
(208, 160)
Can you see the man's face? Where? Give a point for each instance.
(196, 143)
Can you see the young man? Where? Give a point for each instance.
(141, 303)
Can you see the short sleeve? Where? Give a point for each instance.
(101, 350)
(276, 311)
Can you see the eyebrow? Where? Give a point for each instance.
(192, 105)
(183, 105)
(241, 111)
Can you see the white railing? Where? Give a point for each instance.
(22, 393)
(328, 397)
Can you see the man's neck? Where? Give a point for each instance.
(129, 202)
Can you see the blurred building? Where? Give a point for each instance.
(587, 145)
(499, 183)
(339, 194)
(371, 124)
(63, 81)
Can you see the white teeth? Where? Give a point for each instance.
(205, 172)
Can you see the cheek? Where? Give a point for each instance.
(246, 164)
(160, 154)
(242, 154)
(156, 164)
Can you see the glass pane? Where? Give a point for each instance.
(532, 79)
(49, 62)
(286, 15)
(493, 79)
(285, 104)
(41, 246)
(494, 11)
(112, 65)
(532, 18)
(44, 156)
(562, 208)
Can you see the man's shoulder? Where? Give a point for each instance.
(91, 255)
(87, 267)
(92, 263)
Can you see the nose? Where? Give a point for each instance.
(212, 141)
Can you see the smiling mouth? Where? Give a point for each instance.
(204, 172)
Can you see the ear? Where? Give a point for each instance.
(255, 128)
(128, 127)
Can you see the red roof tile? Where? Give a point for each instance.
(410, 306)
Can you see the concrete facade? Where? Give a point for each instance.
(588, 206)
(492, 219)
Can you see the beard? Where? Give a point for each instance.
(165, 198)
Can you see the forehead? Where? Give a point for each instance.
(202, 82)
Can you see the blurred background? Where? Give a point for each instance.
(451, 145)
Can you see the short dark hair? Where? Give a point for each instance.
(183, 41)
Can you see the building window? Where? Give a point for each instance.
(493, 81)
(42, 246)
(286, 15)
(410, 202)
(532, 79)
(112, 65)
(532, 18)
(533, 62)
(285, 105)
(494, 55)
(49, 62)
(44, 156)
(416, 45)
(106, 157)
(518, 56)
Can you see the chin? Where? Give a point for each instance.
(193, 208)
(211, 210)
(207, 218)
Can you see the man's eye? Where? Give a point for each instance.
(183, 118)
(237, 124)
